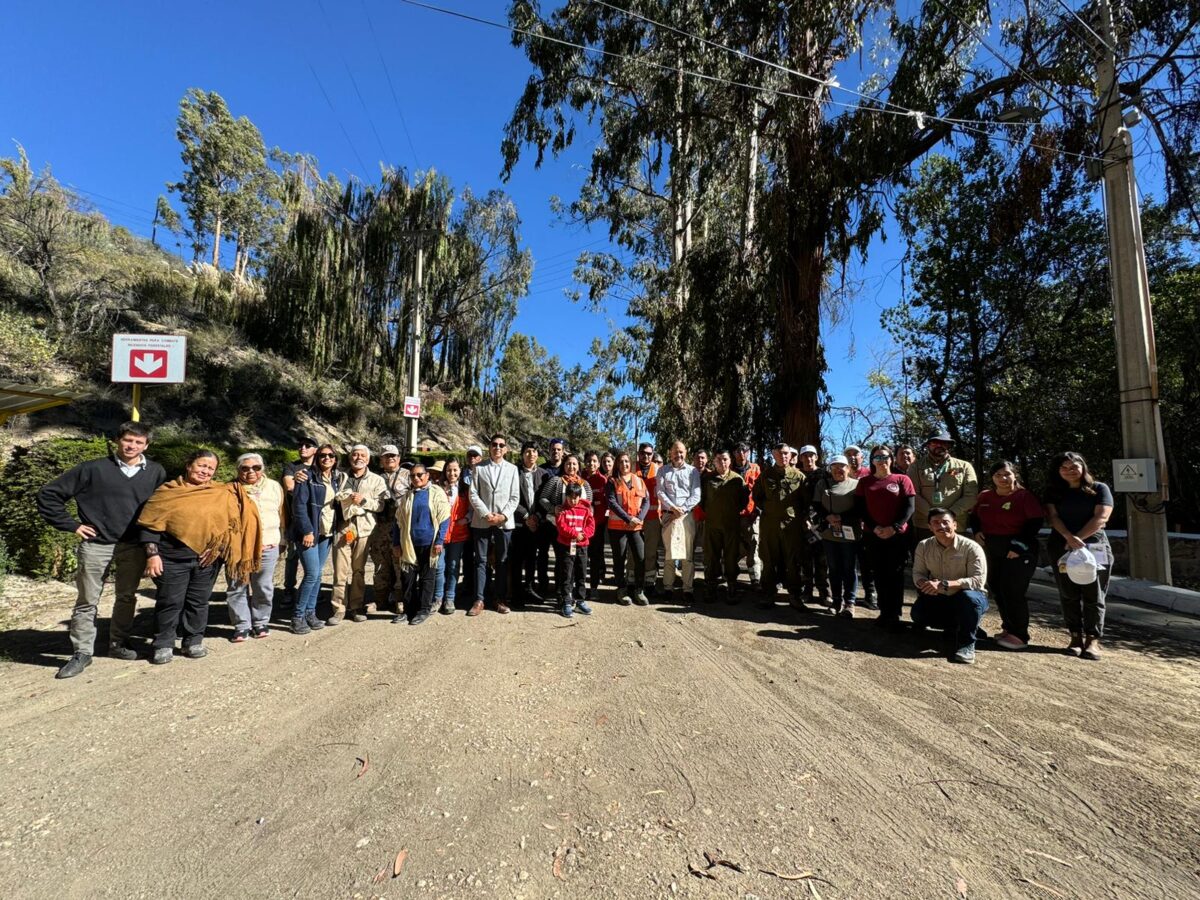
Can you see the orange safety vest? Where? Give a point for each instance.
(630, 497)
(750, 476)
(651, 480)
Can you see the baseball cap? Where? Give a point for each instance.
(744, 446)
(474, 450)
(389, 450)
(853, 448)
(1081, 566)
(307, 442)
(839, 460)
(808, 448)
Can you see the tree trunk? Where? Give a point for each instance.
(216, 254)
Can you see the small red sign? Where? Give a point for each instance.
(144, 363)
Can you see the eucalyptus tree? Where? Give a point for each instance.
(723, 124)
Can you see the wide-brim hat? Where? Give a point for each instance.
(943, 436)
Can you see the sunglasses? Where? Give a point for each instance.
(326, 456)
(249, 468)
(645, 453)
(499, 445)
(881, 456)
(420, 474)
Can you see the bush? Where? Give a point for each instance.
(4, 566)
(40, 551)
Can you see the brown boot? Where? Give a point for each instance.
(476, 608)
(1091, 648)
(1076, 645)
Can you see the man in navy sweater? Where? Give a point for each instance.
(109, 494)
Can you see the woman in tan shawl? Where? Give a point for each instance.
(190, 527)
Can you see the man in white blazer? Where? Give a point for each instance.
(495, 493)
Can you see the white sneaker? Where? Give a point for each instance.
(1011, 642)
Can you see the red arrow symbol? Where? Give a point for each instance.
(148, 363)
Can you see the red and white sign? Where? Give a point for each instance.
(412, 407)
(149, 358)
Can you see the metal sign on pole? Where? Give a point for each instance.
(139, 359)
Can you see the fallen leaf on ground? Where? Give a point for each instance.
(1048, 856)
(813, 889)
(364, 761)
(717, 861)
(799, 876)
(559, 856)
(380, 876)
(401, 858)
(702, 873)
(652, 793)
(961, 886)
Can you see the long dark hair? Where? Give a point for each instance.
(1057, 486)
(876, 449)
(316, 465)
(1001, 464)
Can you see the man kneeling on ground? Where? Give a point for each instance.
(950, 571)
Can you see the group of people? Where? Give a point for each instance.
(486, 529)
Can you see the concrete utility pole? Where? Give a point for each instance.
(1137, 370)
(414, 354)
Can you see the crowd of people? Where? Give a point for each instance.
(482, 532)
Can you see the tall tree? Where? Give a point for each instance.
(164, 217)
(712, 113)
(224, 161)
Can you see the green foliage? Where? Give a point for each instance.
(5, 565)
(39, 551)
(23, 346)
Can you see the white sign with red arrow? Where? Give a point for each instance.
(149, 358)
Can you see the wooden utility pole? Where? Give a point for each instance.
(1137, 370)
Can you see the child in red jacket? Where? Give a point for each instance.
(576, 525)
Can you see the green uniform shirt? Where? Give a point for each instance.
(951, 485)
(723, 498)
(782, 494)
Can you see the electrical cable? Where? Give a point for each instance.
(1090, 30)
(391, 87)
(338, 119)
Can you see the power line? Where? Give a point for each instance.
(896, 110)
(391, 87)
(363, 166)
(1090, 30)
(383, 152)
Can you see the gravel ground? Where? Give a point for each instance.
(525, 756)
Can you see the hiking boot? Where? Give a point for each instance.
(195, 651)
(583, 608)
(120, 651)
(73, 666)
(567, 610)
(1010, 642)
(300, 626)
(1075, 648)
(964, 655)
(420, 617)
(1091, 648)
(162, 656)
(331, 621)
(313, 622)
(447, 608)
(641, 599)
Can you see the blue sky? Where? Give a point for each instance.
(93, 90)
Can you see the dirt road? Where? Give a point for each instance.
(520, 756)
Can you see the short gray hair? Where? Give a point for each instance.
(246, 457)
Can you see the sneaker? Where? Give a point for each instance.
(583, 608)
(195, 651)
(239, 636)
(399, 619)
(162, 656)
(568, 610)
(120, 651)
(76, 664)
(260, 631)
(313, 622)
(300, 626)
(847, 611)
(1075, 648)
(420, 617)
(624, 600)
(447, 608)
(964, 655)
(641, 599)
(1091, 648)
(358, 617)
(1010, 642)
(331, 621)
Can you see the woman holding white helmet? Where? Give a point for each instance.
(1077, 508)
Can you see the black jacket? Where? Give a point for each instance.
(106, 498)
(307, 499)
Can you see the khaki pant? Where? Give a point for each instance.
(387, 572)
(125, 562)
(748, 549)
(679, 544)
(349, 569)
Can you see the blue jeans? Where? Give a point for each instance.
(313, 560)
(957, 614)
(843, 579)
(452, 557)
(439, 574)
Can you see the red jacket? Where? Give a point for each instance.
(573, 520)
(599, 484)
(461, 509)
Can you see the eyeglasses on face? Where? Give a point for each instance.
(326, 456)
(499, 444)
(249, 468)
